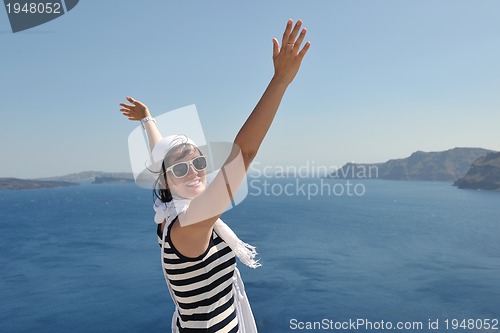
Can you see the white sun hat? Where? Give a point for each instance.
(162, 148)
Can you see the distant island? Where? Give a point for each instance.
(92, 176)
(31, 184)
(74, 179)
(112, 180)
(448, 165)
(484, 174)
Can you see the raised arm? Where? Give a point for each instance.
(287, 60)
(193, 233)
(137, 111)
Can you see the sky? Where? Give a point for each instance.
(381, 80)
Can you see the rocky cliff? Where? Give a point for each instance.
(448, 165)
(484, 174)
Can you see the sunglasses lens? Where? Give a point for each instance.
(180, 170)
(200, 163)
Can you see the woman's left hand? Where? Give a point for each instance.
(136, 110)
(288, 58)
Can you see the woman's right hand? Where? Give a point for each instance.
(288, 57)
(134, 111)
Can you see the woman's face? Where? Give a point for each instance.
(193, 183)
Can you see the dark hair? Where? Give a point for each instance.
(160, 186)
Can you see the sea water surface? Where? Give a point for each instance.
(85, 259)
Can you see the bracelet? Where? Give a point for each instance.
(146, 119)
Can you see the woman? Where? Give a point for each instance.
(198, 249)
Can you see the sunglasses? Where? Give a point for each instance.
(181, 169)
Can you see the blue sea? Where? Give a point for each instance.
(86, 259)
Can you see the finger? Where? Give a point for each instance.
(127, 105)
(300, 39)
(139, 103)
(276, 48)
(303, 52)
(286, 34)
(134, 101)
(131, 117)
(296, 29)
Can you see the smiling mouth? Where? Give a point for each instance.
(194, 183)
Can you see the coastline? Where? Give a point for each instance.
(13, 184)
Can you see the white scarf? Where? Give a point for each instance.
(170, 210)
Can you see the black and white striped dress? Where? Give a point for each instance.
(202, 286)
